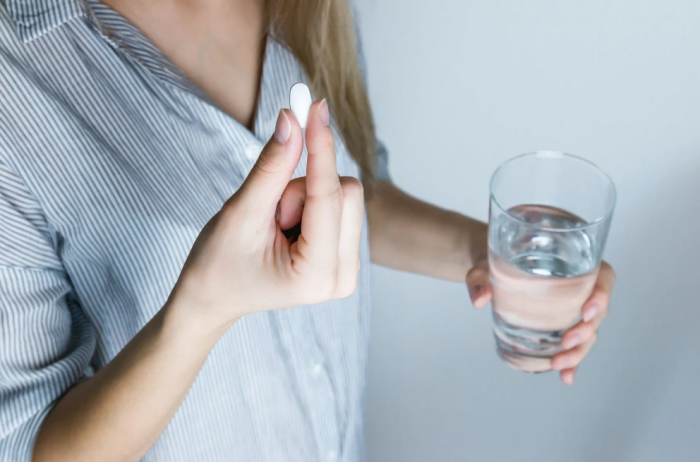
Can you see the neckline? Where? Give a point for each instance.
(123, 35)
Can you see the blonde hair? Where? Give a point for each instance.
(321, 35)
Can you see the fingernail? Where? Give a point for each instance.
(569, 380)
(283, 128)
(591, 312)
(323, 112)
(561, 364)
(573, 341)
(476, 290)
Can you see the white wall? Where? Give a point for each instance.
(616, 81)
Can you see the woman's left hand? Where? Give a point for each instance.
(579, 339)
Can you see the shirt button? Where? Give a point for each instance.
(253, 150)
(332, 456)
(316, 369)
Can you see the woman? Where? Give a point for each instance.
(133, 324)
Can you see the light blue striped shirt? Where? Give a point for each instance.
(111, 162)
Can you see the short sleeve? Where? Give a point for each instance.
(382, 154)
(46, 342)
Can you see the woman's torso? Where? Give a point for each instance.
(128, 161)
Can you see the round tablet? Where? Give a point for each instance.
(300, 102)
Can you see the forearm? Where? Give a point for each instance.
(118, 414)
(411, 235)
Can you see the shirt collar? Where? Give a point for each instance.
(34, 18)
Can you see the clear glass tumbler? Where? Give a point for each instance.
(549, 218)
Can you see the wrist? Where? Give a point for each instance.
(473, 244)
(185, 316)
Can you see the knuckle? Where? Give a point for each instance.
(608, 269)
(336, 194)
(328, 144)
(589, 329)
(476, 275)
(320, 289)
(352, 187)
(334, 199)
(606, 275)
(268, 163)
(586, 335)
(578, 354)
(323, 146)
(602, 296)
(348, 286)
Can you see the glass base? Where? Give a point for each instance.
(526, 350)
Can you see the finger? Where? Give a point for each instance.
(580, 332)
(267, 180)
(350, 233)
(572, 358)
(320, 224)
(599, 300)
(321, 171)
(292, 203)
(567, 375)
(478, 285)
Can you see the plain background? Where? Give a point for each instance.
(457, 88)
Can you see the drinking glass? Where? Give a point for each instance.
(549, 217)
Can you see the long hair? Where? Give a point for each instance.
(321, 35)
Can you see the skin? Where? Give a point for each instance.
(115, 416)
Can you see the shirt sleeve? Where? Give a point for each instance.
(46, 342)
(382, 154)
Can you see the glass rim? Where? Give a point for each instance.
(556, 154)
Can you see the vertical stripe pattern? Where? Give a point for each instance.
(111, 162)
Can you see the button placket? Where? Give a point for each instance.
(316, 368)
(253, 150)
(314, 375)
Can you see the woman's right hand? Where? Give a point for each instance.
(242, 262)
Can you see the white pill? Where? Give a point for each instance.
(300, 102)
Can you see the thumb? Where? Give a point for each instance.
(478, 284)
(275, 165)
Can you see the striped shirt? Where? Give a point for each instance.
(111, 162)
